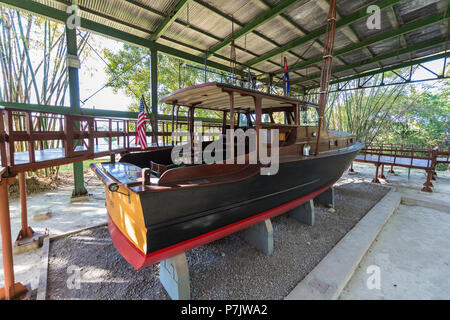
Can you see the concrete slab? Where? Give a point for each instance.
(328, 279)
(66, 216)
(412, 255)
(174, 276)
(260, 236)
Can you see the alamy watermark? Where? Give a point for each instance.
(374, 279)
(74, 19)
(74, 279)
(235, 147)
(374, 20)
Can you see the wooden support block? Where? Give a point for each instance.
(174, 276)
(326, 198)
(260, 236)
(304, 213)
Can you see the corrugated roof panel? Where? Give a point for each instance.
(355, 56)
(363, 32)
(164, 6)
(429, 51)
(367, 67)
(114, 25)
(341, 40)
(430, 32)
(205, 19)
(189, 36)
(243, 11)
(280, 30)
(347, 7)
(308, 15)
(60, 5)
(255, 44)
(408, 11)
(308, 50)
(388, 45)
(124, 11)
(177, 46)
(394, 60)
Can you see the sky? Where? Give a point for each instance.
(93, 77)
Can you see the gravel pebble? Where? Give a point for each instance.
(225, 269)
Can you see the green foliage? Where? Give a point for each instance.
(397, 114)
(425, 123)
(129, 69)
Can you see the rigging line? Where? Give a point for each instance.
(112, 80)
(108, 65)
(306, 50)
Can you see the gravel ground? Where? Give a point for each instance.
(225, 269)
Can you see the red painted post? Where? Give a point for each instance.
(382, 172)
(375, 180)
(26, 231)
(11, 290)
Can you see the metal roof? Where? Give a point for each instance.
(266, 31)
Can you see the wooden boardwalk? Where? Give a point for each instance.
(404, 156)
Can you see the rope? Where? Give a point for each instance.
(114, 79)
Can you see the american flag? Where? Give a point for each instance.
(141, 138)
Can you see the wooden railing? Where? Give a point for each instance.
(31, 140)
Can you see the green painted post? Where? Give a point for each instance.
(74, 90)
(154, 87)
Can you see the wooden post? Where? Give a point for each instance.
(11, 290)
(258, 114)
(2, 142)
(231, 133)
(382, 172)
(375, 180)
(26, 231)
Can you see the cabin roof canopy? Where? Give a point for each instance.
(216, 96)
(267, 31)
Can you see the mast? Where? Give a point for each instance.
(328, 50)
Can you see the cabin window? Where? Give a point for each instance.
(309, 117)
(243, 120)
(279, 117)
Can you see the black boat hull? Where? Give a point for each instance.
(178, 215)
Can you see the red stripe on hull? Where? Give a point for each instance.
(139, 260)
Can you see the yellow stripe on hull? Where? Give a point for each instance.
(124, 208)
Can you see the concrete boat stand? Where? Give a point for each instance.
(174, 272)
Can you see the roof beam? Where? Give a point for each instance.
(203, 32)
(255, 23)
(390, 55)
(227, 17)
(169, 19)
(391, 68)
(360, 14)
(61, 16)
(378, 38)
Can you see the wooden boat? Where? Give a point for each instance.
(157, 209)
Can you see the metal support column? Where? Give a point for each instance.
(74, 89)
(154, 89)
